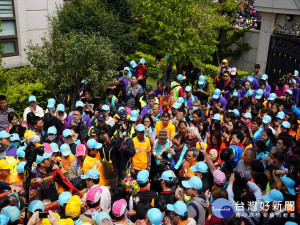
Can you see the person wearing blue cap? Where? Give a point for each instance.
(176, 87)
(133, 89)
(33, 107)
(167, 182)
(108, 119)
(142, 72)
(189, 97)
(5, 140)
(218, 101)
(201, 88)
(180, 214)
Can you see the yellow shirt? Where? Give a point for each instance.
(170, 129)
(140, 159)
(11, 160)
(93, 163)
(67, 162)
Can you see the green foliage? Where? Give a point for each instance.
(18, 84)
(183, 29)
(93, 16)
(69, 58)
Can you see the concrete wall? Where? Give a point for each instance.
(247, 59)
(32, 24)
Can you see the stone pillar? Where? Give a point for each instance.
(267, 25)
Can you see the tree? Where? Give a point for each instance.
(68, 58)
(186, 30)
(94, 16)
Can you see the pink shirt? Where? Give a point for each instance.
(280, 93)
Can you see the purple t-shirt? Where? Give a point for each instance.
(126, 81)
(146, 109)
(227, 94)
(12, 151)
(221, 102)
(296, 94)
(158, 92)
(189, 101)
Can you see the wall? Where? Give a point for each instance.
(247, 59)
(32, 24)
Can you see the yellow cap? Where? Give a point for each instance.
(224, 61)
(73, 207)
(28, 133)
(5, 165)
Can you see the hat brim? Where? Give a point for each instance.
(265, 122)
(98, 146)
(138, 130)
(55, 150)
(291, 191)
(50, 106)
(258, 97)
(186, 184)
(271, 99)
(66, 153)
(267, 198)
(193, 168)
(216, 96)
(200, 82)
(52, 133)
(170, 207)
(133, 119)
(6, 136)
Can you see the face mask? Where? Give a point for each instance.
(2, 155)
(51, 137)
(195, 108)
(15, 144)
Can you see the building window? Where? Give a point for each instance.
(8, 35)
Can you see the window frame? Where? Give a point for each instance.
(10, 38)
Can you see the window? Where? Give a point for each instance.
(8, 35)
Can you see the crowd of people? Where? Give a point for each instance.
(157, 155)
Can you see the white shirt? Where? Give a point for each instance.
(110, 122)
(38, 112)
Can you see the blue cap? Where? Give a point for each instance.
(286, 125)
(99, 216)
(176, 105)
(266, 119)
(201, 80)
(133, 64)
(32, 98)
(142, 176)
(52, 130)
(290, 223)
(247, 115)
(20, 152)
(249, 93)
(134, 115)
(250, 79)
(280, 115)
(272, 97)
(65, 150)
(180, 208)
(101, 117)
(120, 108)
(4, 134)
(84, 81)
(14, 137)
(64, 197)
(54, 147)
(13, 211)
(217, 93)
(4, 218)
(79, 104)
(188, 89)
(180, 100)
(201, 167)
(289, 183)
(155, 216)
(92, 143)
(105, 108)
(264, 77)
(274, 196)
(289, 91)
(194, 182)
(35, 205)
(296, 72)
(60, 107)
(21, 166)
(40, 159)
(167, 175)
(259, 93)
(142, 61)
(235, 111)
(51, 103)
(235, 93)
(67, 133)
(180, 77)
(140, 128)
(91, 174)
(217, 116)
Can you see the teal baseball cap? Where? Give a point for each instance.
(264, 77)
(54, 147)
(14, 137)
(247, 115)
(99, 216)
(201, 80)
(249, 93)
(155, 216)
(60, 107)
(272, 97)
(133, 64)
(176, 105)
(134, 115)
(180, 100)
(4, 134)
(266, 119)
(289, 91)
(188, 89)
(36, 205)
(65, 150)
(79, 104)
(250, 79)
(180, 208)
(32, 98)
(67, 133)
(40, 159)
(140, 128)
(51, 103)
(217, 93)
(217, 116)
(286, 125)
(194, 182)
(21, 152)
(52, 130)
(180, 77)
(92, 143)
(64, 197)
(13, 211)
(259, 93)
(21, 166)
(105, 108)
(91, 174)
(142, 61)
(274, 196)
(296, 72)
(201, 167)
(290, 223)
(235, 111)
(142, 177)
(167, 176)
(280, 115)
(289, 183)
